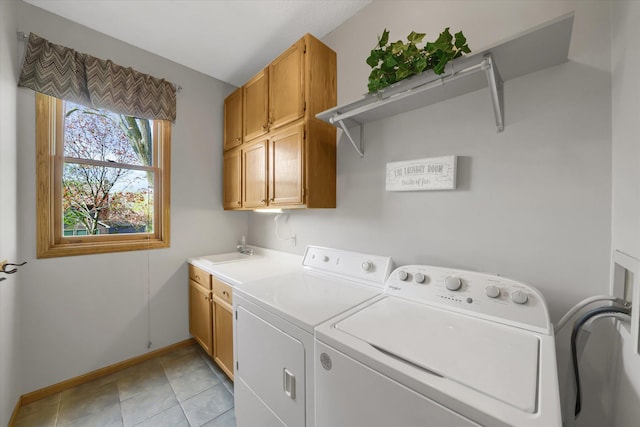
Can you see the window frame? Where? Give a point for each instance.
(49, 167)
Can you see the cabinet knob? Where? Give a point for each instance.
(264, 127)
(238, 203)
(237, 139)
(225, 293)
(263, 201)
(273, 199)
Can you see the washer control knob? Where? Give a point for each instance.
(402, 275)
(366, 266)
(519, 297)
(452, 283)
(325, 258)
(419, 277)
(492, 291)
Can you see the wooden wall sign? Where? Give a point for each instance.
(433, 173)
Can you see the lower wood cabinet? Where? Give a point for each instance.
(200, 315)
(223, 326)
(211, 317)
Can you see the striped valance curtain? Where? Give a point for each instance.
(83, 79)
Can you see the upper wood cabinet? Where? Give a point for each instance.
(286, 174)
(254, 175)
(288, 156)
(232, 170)
(255, 106)
(286, 86)
(233, 120)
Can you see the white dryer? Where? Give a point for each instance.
(442, 348)
(273, 331)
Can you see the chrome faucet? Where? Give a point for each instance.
(242, 247)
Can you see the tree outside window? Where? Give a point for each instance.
(108, 180)
(99, 198)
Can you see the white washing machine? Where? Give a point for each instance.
(442, 348)
(273, 331)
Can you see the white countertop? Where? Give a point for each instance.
(306, 298)
(262, 264)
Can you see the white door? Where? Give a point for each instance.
(252, 411)
(271, 364)
(350, 394)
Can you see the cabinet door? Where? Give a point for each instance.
(286, 167)
(232, 182)
(286, 86)
(233, 119)
(255, 106)
(254, 173)
(200, 315)
(223, 335)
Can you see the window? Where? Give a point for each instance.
(103, 180)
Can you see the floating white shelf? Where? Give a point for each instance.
(535, 49)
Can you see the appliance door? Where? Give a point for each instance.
(499, 361)
(252, 412)
(271, 364)
(350, 394)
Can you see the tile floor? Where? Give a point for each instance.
(181, 388)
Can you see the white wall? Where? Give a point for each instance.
(9, 307)
(533, 203)
(83, 313)
(626, 146)
(626, 187)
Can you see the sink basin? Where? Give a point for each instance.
(224, 258)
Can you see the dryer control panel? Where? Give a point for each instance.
(367, 269)
(481, 295)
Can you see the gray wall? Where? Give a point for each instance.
(626, 194)
(626, 146)
(83, 313)
(533, 203)
(9, 307)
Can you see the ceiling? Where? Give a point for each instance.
(230, 40)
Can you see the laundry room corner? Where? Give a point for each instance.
(625, 383)
(532, 203)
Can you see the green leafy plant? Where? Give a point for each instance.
(392, 62)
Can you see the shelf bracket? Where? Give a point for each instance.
(496, 90)
(358, 145)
